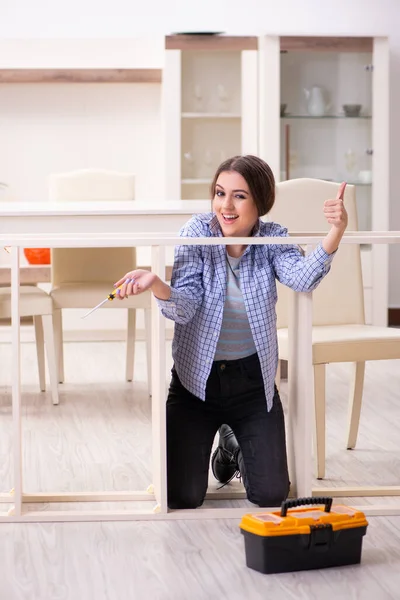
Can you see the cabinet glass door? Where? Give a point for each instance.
(326, 120)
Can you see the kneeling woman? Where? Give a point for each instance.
(222, 299)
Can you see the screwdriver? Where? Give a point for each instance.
(109, 297)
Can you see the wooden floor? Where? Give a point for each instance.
(99, 437)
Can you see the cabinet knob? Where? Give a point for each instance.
(369, 68)
(369, 151)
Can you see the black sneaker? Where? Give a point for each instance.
(224, 462)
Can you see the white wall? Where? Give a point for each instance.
(125, 18)
(47, 128)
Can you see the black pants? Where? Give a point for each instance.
(235, 396)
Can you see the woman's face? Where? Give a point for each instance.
(234, 205)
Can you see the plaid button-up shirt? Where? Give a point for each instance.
(198, 292)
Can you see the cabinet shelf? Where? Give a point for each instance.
(350, 181)
(204, 115)
(327, 117)
(80, 75)
(360, 183)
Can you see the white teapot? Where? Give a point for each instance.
(316, 101)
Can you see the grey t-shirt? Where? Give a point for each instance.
(235, 340)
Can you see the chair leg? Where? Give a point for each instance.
(130, 344)
(355, 398)
(147, 321)
(58, 337)
(37, 322)
(319, 431)
(278, 375)
(51, 351)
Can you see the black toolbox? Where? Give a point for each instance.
(306, 538)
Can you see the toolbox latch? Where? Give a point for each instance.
(321, 536)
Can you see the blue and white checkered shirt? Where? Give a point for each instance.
(198, 292)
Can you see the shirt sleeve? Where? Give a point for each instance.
(187, 280)
(300, 273)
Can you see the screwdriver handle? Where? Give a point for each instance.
(114, 293)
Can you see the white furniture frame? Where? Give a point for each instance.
(300, 420)
(47, 218)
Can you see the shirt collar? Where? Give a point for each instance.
(214, 226)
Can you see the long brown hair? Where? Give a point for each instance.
(258, 176)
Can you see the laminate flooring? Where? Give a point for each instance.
(99, 437)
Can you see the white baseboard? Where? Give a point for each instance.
(87, 335)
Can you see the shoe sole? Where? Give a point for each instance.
(232, 467)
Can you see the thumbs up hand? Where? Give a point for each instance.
(336, 214)
(335, 211)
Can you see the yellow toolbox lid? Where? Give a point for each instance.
(299, 520)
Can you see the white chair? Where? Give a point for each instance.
(36, 303)
(339, 330)
(82, 277)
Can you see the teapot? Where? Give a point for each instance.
(316, 102)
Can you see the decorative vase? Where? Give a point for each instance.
(316, 103)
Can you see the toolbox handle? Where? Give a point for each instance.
(303, 501)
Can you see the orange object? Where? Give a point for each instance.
(37, 256)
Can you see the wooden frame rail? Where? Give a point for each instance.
(300, 391)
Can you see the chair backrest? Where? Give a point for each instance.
(339, 299)
(90, 265)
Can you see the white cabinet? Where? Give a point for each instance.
(324, 114)
(210, 108)
(222, 96)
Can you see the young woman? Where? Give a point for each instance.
(222, 299)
